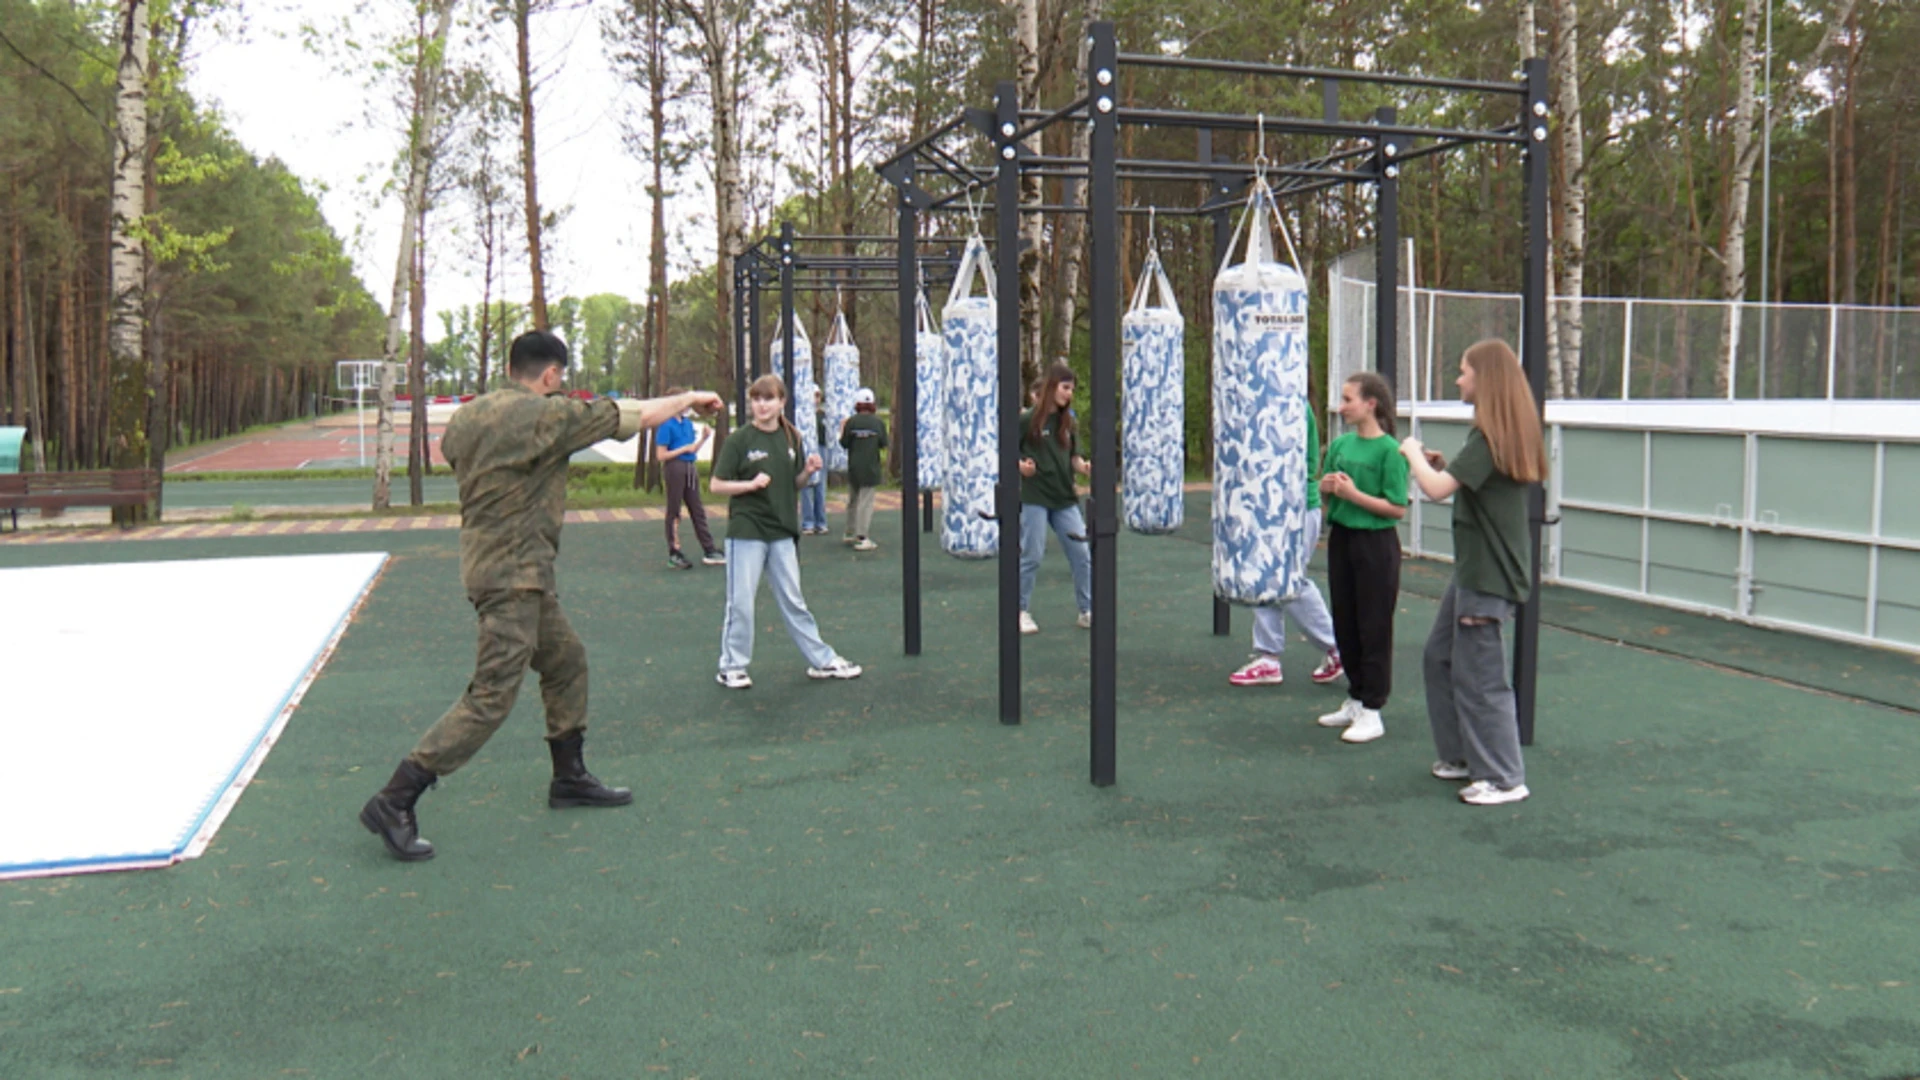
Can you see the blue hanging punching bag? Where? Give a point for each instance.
(972, 395)
(842, 359)
(1259, 416)
(799, 384)
(930, 368)
(1153, 402)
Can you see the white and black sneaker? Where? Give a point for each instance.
(733, 680)
(837, 668)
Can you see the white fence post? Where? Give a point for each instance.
(1626, 351)
(1833, 346)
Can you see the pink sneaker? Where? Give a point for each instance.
(1328, 671)
(1260, 671)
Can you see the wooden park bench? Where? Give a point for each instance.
(67, 490)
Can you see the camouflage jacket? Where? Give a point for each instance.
(509, 451)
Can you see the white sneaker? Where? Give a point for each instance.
(1341, 716)
(1366, 727)
(1487, 793)
(1085, 621)
(1027, 625)
(837, 668)
(733, 680)
(1449, 770)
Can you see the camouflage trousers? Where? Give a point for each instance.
(518, 629)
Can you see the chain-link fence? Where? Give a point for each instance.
(1634, 349)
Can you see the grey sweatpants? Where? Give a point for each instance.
(1469, 700)
(860, 511)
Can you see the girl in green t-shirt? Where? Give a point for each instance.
(761, 470)
(1049, 456)
(1469, 701)
(1364, 486)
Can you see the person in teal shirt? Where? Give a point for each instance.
(1365, 486)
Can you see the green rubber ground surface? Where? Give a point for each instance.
(1717, 876)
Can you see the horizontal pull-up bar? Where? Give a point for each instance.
(1280, 125)
(1077, 105)
(890, 239)
(923, 140)
(1241, 67)
(1075, 168)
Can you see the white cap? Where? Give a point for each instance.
(863, 396)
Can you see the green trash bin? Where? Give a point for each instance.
(12, 441)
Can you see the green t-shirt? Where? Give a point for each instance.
(1377, 469)
(864, 437)
(1051, 484)
(1492, 552)
(1313, 461)
(773, 512)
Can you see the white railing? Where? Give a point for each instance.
(1641, 349)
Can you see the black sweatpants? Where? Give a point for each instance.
(683, 486)
(1363, 579)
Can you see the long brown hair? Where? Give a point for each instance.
(1044, 408)
(771, 387)
(1373, 387)
(1505, 412)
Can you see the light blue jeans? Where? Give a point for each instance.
(779, 560)
(1309, 611)
(1067, 523)
(813, 502)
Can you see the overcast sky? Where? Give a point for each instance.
(283, 101)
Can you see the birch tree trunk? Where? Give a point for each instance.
(654, 341)
(1032, 236)
(1570, 243)
(523, 64)
(1072, 228)
(722, 28)
(429, 54)
(1746, 153)
(127, 265)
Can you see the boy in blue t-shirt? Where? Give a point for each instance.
(677, 446)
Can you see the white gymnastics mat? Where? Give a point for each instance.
(138, 699)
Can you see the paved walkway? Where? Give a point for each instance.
(82, 531)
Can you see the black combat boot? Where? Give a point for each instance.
(573, 785)
(389, 815)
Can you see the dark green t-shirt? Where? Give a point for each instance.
(864, 437)
(1492, 552)
(773, 512)
(1377, 469)
(1051, 484)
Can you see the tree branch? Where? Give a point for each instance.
(55, 79)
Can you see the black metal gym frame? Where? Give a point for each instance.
(782, 257)
(1384, 145)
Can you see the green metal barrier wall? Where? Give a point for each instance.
(1794, 532)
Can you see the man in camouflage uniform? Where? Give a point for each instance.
(509, 450)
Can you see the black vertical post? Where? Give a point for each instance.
(926, 511)
(1330, 100)
(786, 320)
(742, 274)
(1103, 313)
(1533, 355)
(1221, 188)
(906, 419)
(1386, 272)
(1006, 501)
(757, 355)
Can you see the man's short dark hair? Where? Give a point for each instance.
(533, 352)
